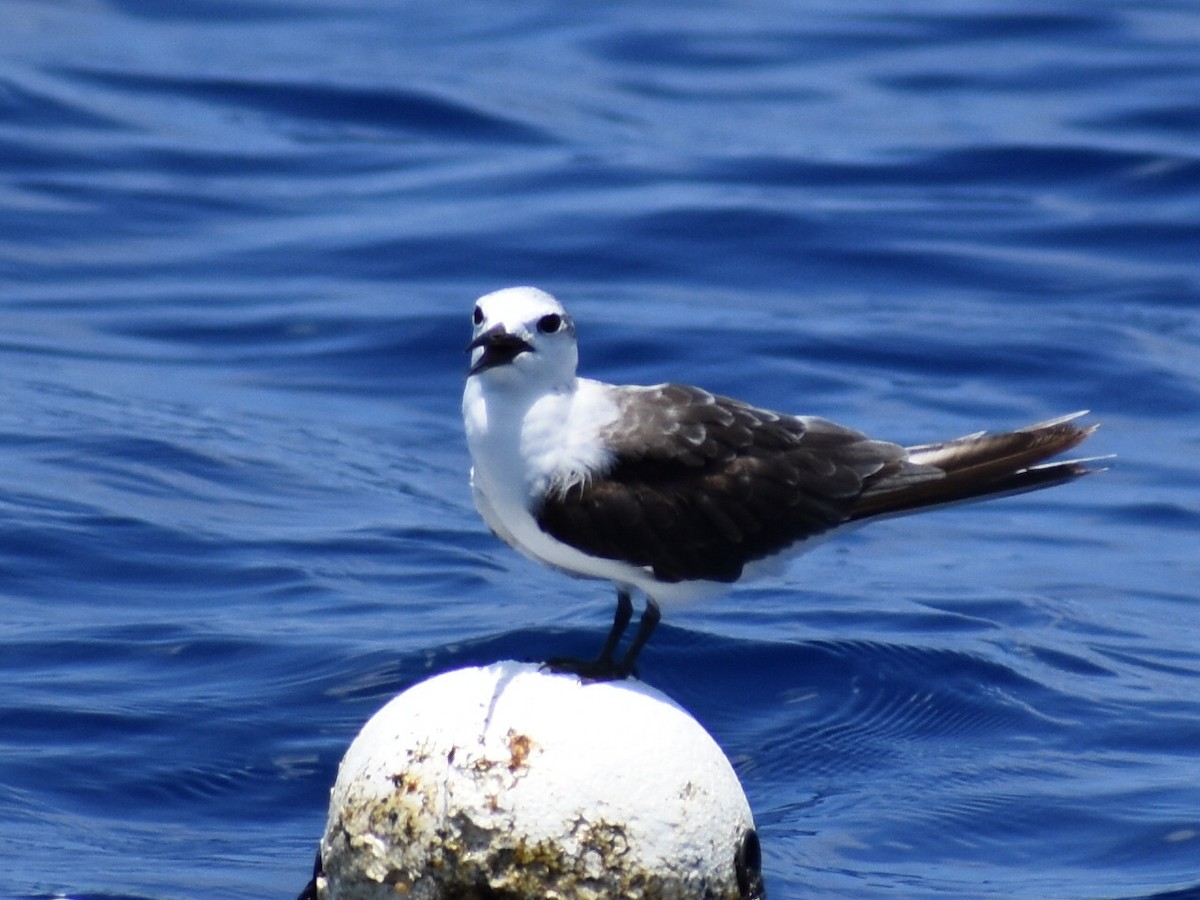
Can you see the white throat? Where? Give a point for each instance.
(524, 443)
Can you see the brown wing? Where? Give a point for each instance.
(703, 484)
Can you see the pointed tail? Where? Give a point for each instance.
(976, 467)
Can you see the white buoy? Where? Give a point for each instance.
(510, 782)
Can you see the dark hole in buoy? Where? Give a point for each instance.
(747, 865)
(310, 889)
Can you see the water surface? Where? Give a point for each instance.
(239, 244)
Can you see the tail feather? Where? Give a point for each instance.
(976, 467)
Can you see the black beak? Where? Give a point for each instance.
(499, 349)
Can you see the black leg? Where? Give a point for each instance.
(621, 619)
(605, 667)
(650, 620)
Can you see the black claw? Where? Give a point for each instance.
(588, 669)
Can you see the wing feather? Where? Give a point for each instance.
(702, 484)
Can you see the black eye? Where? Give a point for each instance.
(550, 324)
(477, 316)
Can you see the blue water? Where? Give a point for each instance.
(239, 245)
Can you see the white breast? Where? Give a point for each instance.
(522, 448)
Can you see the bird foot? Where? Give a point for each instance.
(604, 667)
(591, 670)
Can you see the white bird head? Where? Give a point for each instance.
(522, 336)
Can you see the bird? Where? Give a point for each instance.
(679, 493)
